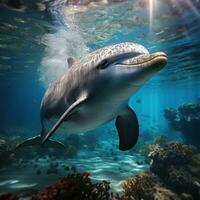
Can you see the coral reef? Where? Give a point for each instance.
(186, 119)
(173, 153)
(140, 186)
(146, 148)
(178, 166)
(76, 187)
(174, 175)
(146, 186)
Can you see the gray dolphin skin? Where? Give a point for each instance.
(95, 90)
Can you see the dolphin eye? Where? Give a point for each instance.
(117, 59)
(103, 64)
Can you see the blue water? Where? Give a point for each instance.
(35, 45)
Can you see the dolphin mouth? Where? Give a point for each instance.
(157, 60)
(154, 60)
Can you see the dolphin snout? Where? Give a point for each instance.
(154, 61)
(157, 60)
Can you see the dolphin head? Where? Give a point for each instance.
(141, 67)
(128, 64)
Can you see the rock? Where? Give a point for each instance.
(76, 186)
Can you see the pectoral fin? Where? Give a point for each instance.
(128, 129)
(65, 115)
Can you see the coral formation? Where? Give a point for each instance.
(173, 153)
(146, 186)
(174, 175)
(186, 119)
(76, 187)
(140, 186)
(178, 166)
(146, 148)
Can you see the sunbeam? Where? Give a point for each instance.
(151, 10)
(194, 9)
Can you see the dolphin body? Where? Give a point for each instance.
(95, 90)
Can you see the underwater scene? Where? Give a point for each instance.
(99, 100)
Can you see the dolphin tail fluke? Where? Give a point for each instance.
(33, 141)
(55, 144)
(37, 141)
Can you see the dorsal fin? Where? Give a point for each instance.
(70, 61)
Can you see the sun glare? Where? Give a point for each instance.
(151, 10)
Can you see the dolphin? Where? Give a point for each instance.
(95, 90)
